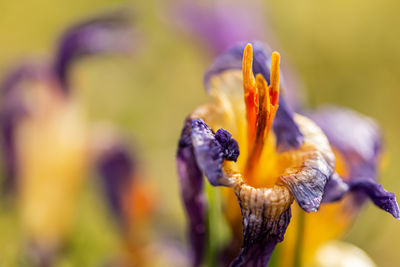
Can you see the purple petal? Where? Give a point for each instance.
(230, 147)
(103, 34)
(221, 25)
(233, 57)
(12, 110)
(260, 239)
(286, 130)
(362, 188)
(210, 153)
(381, 198)
(360, 146)
(191, 183)
(335, 189)
(116, 166)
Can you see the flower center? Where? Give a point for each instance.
(261, 101)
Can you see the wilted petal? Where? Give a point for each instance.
(191, 183)
(317, 165)
(210, 153)
(109, 33)
(266, 215)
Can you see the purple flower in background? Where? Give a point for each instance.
(283, 156)
(221, 24)
(44, 134)
(103, 34)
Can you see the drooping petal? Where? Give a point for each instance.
(108, 33)
(362, 188)
(381, 198)
(191, 183)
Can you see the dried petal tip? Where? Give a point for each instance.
(230, 147)
(210, 153)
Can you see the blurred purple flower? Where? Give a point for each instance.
(221, 24)
(107, 33)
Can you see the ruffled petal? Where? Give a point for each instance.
(107, 33)
(317, 165)
(191, 183)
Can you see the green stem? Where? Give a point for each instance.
(299, 240)
(217, 231)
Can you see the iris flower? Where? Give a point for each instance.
(283, 157)
(44, 134)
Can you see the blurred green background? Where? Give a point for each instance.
(345, 53)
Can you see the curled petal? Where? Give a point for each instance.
(107, 33)
(191, 183)
(230, 147)
(266, 215)
(317, 165)
(210, 153)
(362, 188)
(381, 198)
